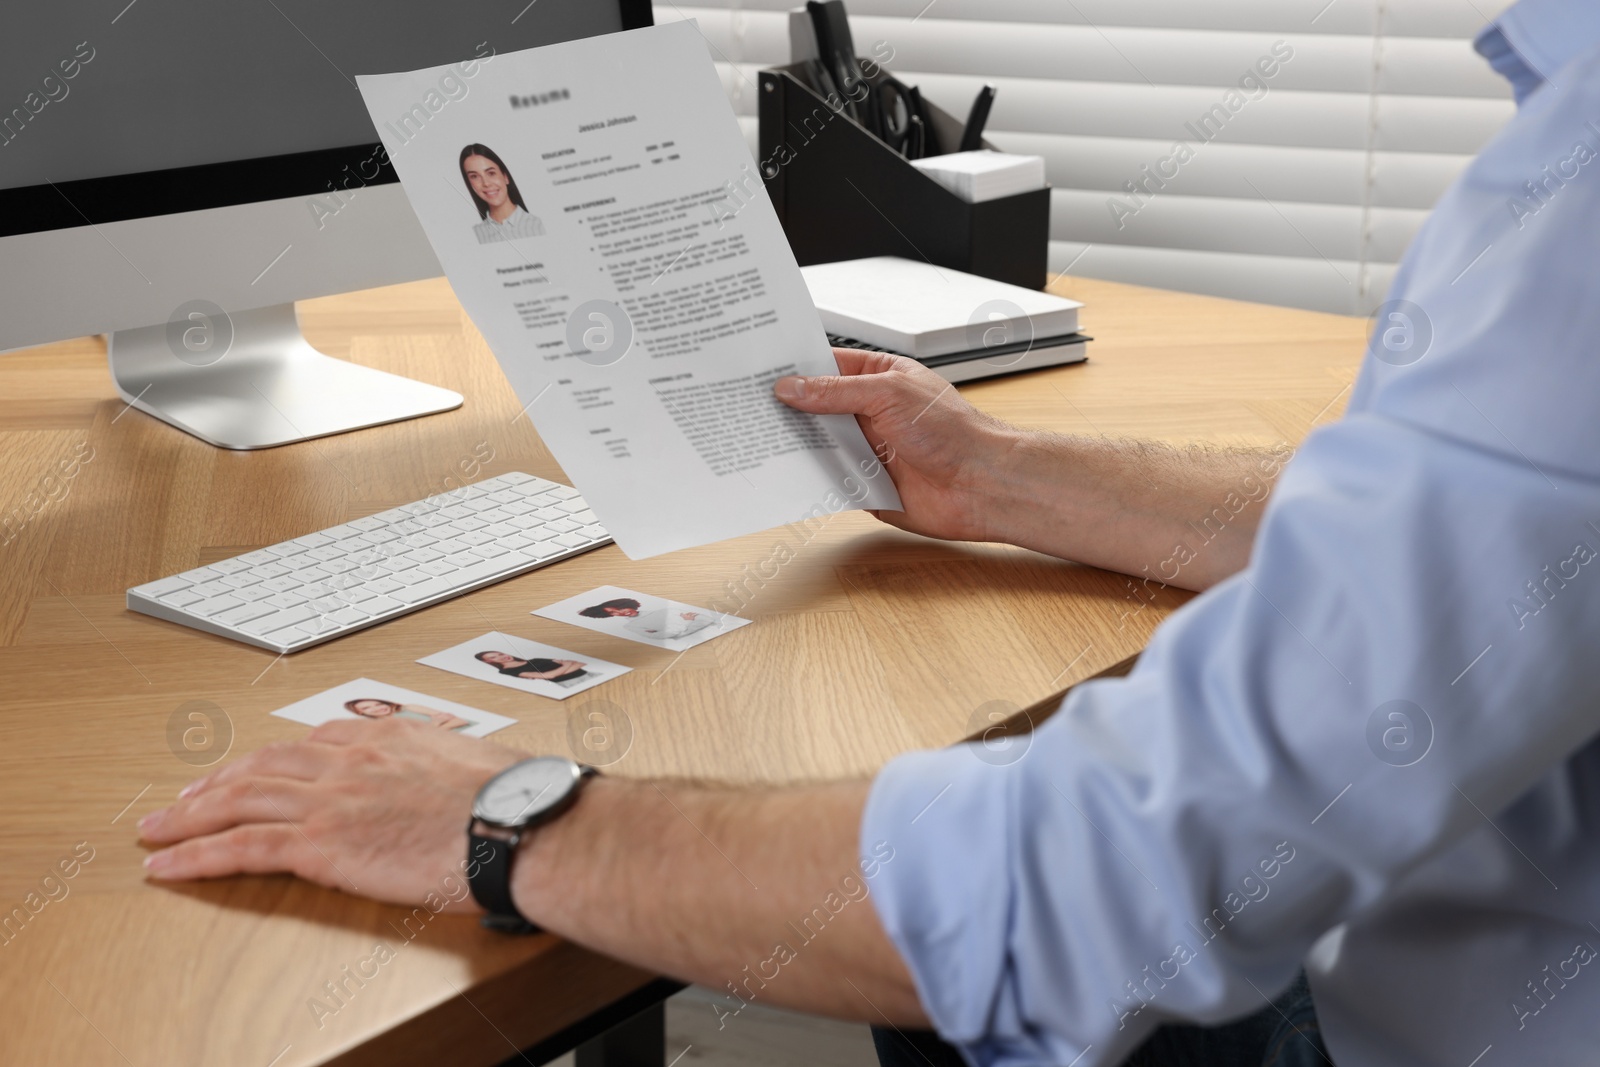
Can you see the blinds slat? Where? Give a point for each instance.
(1328, 176)
(1412, 18)
(1294, 281)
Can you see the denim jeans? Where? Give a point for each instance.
(1283, 1035)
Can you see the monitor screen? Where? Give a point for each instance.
(111, 88)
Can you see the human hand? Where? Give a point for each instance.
(939, 449)
(376, 808)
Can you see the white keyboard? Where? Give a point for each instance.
(300, 593)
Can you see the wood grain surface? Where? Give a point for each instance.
(866, 643)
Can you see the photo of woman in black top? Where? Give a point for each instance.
(536, 669)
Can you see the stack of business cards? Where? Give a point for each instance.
(984, 175)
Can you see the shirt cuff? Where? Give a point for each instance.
(922, 806)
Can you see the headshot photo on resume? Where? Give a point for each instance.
(503, 215)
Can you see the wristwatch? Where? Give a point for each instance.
(511, 803)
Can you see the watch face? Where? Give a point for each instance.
(521, 793)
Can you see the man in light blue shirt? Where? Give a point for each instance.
(1366, 751)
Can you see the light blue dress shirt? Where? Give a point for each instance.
(1372, 752)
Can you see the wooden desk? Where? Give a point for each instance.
(868, 643)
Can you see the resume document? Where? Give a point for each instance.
(597, 211)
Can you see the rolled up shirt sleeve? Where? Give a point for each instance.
(1293, 742)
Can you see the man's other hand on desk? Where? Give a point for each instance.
(374, 808)
(964, 475)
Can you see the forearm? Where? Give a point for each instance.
(1185, 517)
(757, 895)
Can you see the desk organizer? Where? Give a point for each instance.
(841, 193)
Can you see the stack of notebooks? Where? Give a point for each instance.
(960, 325)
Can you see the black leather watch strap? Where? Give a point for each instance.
(489, 876)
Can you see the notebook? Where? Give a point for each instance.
(924, 311)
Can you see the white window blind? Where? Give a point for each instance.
(1303, 188)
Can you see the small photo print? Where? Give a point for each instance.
(518, 663)
(649, 620)
(366, 699)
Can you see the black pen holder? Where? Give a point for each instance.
(841, 193)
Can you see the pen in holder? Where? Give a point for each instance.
(841, 193)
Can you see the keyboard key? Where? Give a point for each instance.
(521, 507)
(494, 515)
(419, 556)
(284, 600)
(384, 585)
(313, 574)
(474, 539)
(367, 524)
(237, 616)
(182, 598)
(252, 593)
(506, 496)
(382, 605)
(489, 551)
(379, 537)
(516, 478)
(159, 589)
(439, 568)
(257, 558)
(564, 492)
(282, 584)
(349, 616)
(213, 589)
(318, 625)
(231, 566)
(267, 624)
(413, 594)
(314, 540)
(240, 580)
(273, 569)
(215, 605)
(201, 574)
(571, 540)
(285, 550)
(326, 553)
(571, 506)
(561, 525)
(595, 531)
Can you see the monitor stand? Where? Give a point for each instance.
(249, 379)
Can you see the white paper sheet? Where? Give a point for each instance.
(644, 298)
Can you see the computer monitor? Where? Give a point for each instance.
(176, 173)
